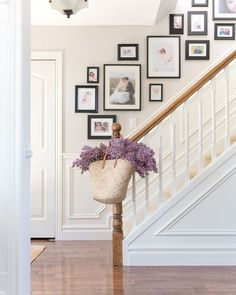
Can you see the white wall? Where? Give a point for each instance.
(14, 136)
(96, 46)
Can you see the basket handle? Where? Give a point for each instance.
(105, 157)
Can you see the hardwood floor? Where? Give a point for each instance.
(85, 268)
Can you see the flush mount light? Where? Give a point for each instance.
(68, 7)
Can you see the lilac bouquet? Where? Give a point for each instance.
(139, 155)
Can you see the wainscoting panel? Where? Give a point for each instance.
(81, 217)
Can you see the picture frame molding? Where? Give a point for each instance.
(92, 82)
(119, 46)
(172, 30)
(224, 24)
(89, 125)
(179, 57)
(150, 92)
(192, 33)
(104, 87)
(188, 42)
(77, 87)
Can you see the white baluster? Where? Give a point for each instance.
(227, 137)
(173, 147)
(213, 99)
(160, 168)
(147, 196)
(134, 217)
(186, 115)
(200, 134)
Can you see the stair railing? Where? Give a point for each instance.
(194, 124)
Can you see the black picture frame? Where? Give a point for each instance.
(223, 11)
(176, 24)
(197, 23)
(224, 31)
(122, 87)
(197, 3)
(197, 49)
(128, 51)
(86, 99)
(101, 123)
(155, 95)
(93, 75)
(168, 48)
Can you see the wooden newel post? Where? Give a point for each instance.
(117, 236)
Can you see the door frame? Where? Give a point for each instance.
(57, 57)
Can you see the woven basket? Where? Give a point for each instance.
(109, 184)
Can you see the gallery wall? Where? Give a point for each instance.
(96, 46)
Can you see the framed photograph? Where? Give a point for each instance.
(224, 9)
(128, 52)
(86, 99)
(92, 74)
(197, 22)
(155, 92)
(163, 57)
(122, 87)
(197, 49)
(100, 127)
(199, 3)
(224, 31)
(176, 24)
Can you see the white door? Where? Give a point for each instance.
(43, 142)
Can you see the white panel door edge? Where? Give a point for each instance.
(54, 57)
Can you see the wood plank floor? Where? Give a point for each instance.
(85, 268)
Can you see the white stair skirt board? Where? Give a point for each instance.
(191, 228)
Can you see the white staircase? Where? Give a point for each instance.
(184, 215)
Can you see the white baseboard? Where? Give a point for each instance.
(78, 235)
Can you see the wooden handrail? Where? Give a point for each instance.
(183, 97)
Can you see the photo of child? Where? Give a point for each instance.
(224, 9)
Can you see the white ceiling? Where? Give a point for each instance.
(100, 12)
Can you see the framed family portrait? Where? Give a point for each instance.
(100, 127)
(176, 24)
(92, 74)
(199, 3)
(122, 87)
(224, 31)
(224, 9)
(197, 23)
(128, 52)
(163, 57)
(155, 92)
(86, 99)
(197, 49)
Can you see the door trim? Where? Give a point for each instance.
(57, 57)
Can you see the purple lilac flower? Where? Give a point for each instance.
(139, 155)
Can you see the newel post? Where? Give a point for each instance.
(117, 236)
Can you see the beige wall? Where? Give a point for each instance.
(96, 46)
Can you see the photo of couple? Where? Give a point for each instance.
(122, 91)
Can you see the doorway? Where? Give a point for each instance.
(46, 142)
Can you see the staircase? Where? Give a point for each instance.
(184, 215)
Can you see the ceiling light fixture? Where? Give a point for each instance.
(68, 7)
